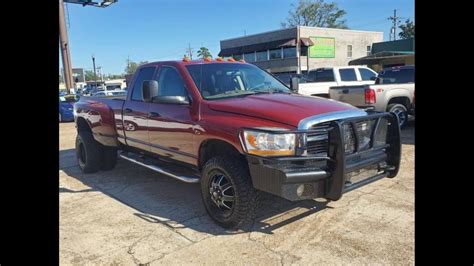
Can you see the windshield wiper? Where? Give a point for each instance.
(271, 90)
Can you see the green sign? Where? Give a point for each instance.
(323, 47)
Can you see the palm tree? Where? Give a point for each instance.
(203, 53)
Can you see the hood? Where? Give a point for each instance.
(283, 108)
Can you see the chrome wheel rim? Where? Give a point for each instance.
(400, 113)
(222, 192)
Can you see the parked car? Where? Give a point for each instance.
(286, 77)
(321, 79)
(236, 130)
(393, 91)
(110, 93)
(66, 105)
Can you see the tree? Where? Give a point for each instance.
(89, 75)
(315, 13)
(407, 30)
(132, 66)
(203, 53)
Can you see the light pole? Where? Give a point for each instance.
(95, 73)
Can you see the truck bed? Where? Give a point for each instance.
(103, 114)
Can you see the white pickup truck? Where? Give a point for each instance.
(321, 79)
(393, 91)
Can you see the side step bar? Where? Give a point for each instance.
(159, 169)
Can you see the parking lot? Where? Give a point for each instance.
(132, 215)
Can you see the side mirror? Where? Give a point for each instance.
(149, 90)
(294, 84)
(373, 78)
(171, 100)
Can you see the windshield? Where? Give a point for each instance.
(224, 80)
(68, 99)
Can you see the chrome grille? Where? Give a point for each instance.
(317, 143)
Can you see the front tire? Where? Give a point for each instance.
(227, 192)
(400, 111)
(88, 152)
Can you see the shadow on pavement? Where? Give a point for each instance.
(161, 199)
(408, 133)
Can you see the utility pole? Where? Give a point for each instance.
(190, 51)
(395, 20)
(63, 38)
(65, 51)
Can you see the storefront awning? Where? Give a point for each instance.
(264, 46)
(375, 58)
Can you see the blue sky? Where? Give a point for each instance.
(155, 30)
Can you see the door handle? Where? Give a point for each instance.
(345, 91)
(153, 114)
(128, 110)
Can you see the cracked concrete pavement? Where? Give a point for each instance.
(132, 215)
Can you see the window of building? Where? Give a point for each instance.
(170, 82)
(369, 48)
(262, 56)
(289, 52)
(237, 56)
(349, 51)
(366, 74)
(348, 74)
(249, 57)
(275, 54)
(145, 73)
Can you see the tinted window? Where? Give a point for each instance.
(366, 74)
(289, 52)
(262, 56)
(237, 57)
(348, 74)
(275, 54)
(397, 76)
(145, 73)
(249, 57)
(170, 83)
(321, 75)
(233, 80)
(195, 72)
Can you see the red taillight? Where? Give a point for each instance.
(370, 96)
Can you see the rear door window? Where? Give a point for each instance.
(145, 73)
(366, 74)
(321, 75)
(394, 76)
(348, 74)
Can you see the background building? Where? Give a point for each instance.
(389, 54)
(299, 48)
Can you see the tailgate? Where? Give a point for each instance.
(354, 95)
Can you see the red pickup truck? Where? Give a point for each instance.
(236, 130)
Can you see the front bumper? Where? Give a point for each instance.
(307, 177)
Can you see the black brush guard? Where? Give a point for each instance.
(306, 177)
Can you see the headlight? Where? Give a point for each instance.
(349, 139)
(268, 144)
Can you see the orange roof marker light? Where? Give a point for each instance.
(219, 59)
(186, 59)
(207, 59)
(231, 59)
